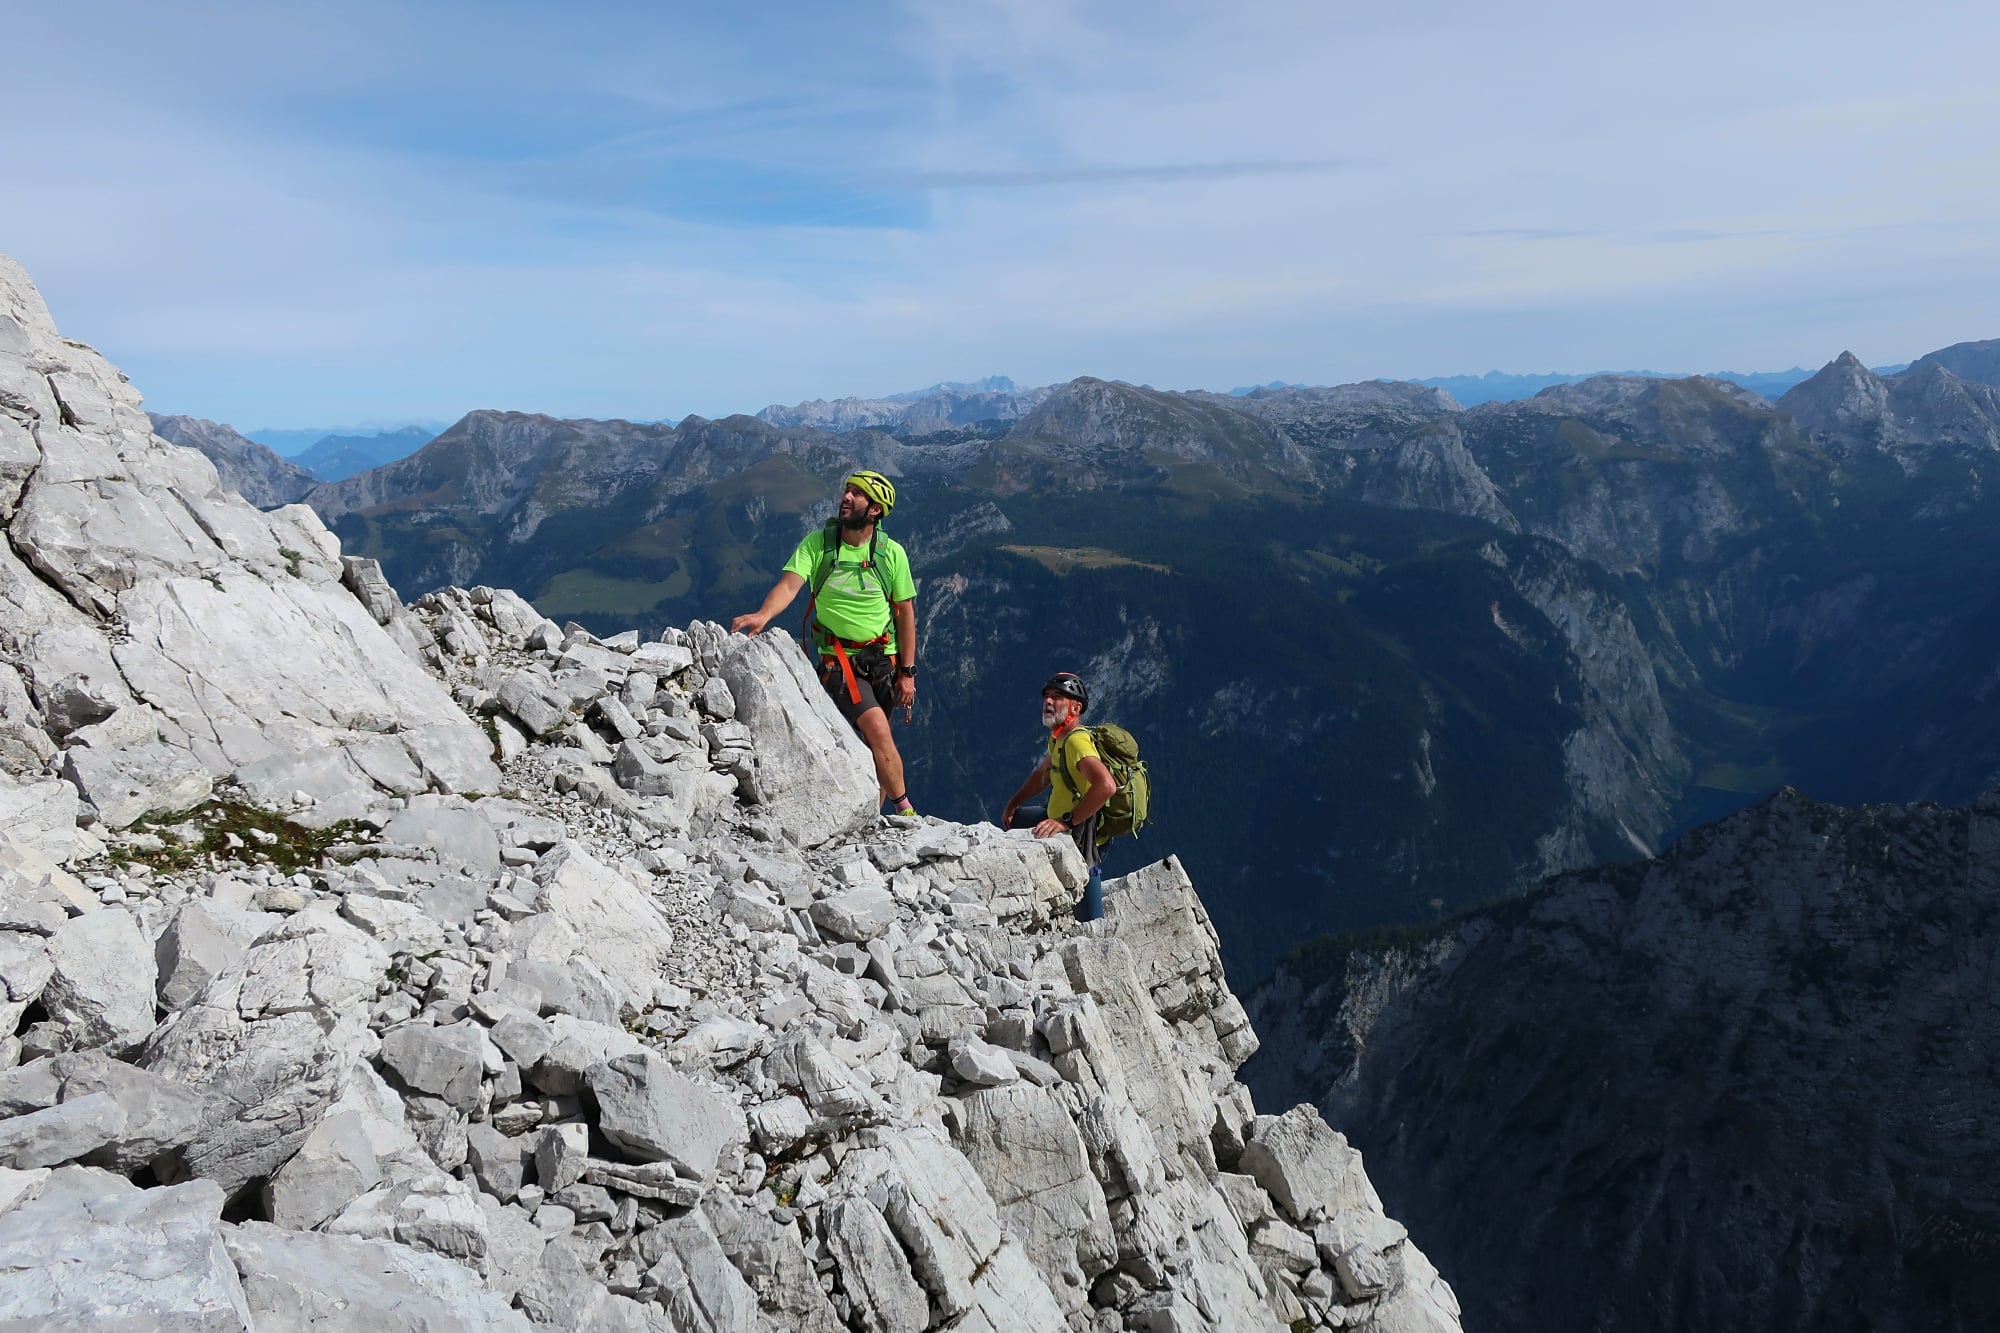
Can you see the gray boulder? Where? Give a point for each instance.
(977, 1063)
(433, 1213)
(532, 698)
(695, 1281)
(24, 970)
(192, 951)
(363, 1140)
(562, 1154)
(813, 775)
(102, 987)
(155, 1115)
(36, 894)
(125, 785)
(41, 815)
(578, 1044)
(61, 1133)
(858, 915)
(619, 927)
(657, 1114)
(1306, 1166)
(501, 1164)
(445, 1062)
(452, 833)
(300, 1282)
(873, 1271)
(1025, 1147)
(271, 1040)
(92, 1251)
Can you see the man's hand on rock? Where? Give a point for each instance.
(749, 624)
(1048, 828)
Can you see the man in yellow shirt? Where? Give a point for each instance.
(1078, 783)
(861, 620)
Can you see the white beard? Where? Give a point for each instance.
(1052, 715)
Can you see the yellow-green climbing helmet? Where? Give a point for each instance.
(876, 487)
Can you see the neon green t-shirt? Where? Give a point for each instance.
(852, 604)
(1076, 746)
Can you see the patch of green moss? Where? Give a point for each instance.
(290, 847)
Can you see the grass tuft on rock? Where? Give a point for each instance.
(220, 831)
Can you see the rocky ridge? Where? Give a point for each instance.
(255, 472)
(943, 407)
(440, 967)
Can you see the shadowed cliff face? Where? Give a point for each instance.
(1742, 1086)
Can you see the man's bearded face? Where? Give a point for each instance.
(854, 508)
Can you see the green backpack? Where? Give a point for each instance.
(1125, 812)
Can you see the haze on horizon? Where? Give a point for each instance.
(277, 215)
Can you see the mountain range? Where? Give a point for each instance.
(1333, 615)
(266, 478)
(290, 442)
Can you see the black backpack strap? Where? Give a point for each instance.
(823, 570)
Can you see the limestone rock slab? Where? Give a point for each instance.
(272, 1040)
(86, 1254)
(102, 985)
(126, 785)
(813, 775)
(1025, 1147)
(297, 1281)
(657, 1114)
(618, 926)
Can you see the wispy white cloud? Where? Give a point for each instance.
(1170, 173)
(285, 213)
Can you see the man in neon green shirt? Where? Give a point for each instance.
(861, 620)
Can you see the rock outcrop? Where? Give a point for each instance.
(163, 636)
(438, 967)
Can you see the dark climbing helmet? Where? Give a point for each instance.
(876, 487)
(1070, 686)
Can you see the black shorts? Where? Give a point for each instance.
(874, 674)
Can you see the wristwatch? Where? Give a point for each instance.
(909, 671)
(1068, 819)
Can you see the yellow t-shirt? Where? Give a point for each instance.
(1076, 746)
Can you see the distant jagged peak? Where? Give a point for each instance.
(1843, 391)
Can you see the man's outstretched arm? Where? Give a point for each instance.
(781, 595)
(1038, 781)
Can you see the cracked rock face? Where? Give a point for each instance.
(1761, 1017)
(131, 586)
(666, 1031)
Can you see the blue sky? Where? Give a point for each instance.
(287, 215)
